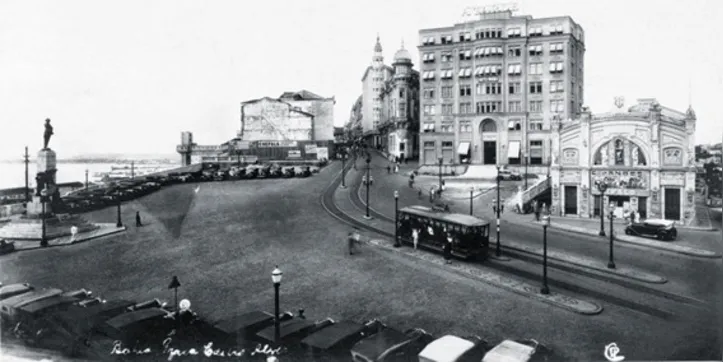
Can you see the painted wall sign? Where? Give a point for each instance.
(570, 177)
(617, 179)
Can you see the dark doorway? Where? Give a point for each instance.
(643, 207)
(596, 205)
(672, 204)
(571, 200)
(489, 152)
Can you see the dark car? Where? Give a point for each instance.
(292, 331)
(305, 172)
(289, 172)
(509, 175)
(265, 172)
(391, 345)
(656, 228)
(334, 342)
(277, 172)
(252, 173)
(242, 327)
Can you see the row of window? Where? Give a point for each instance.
(556, 106)
(493, 34)
(466, 127)
(485, 88)
(483, 52)
(493, 70)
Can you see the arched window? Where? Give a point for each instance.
(488, 125)
(619, 153)
(598, 156)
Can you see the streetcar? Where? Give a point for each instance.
(470, 234)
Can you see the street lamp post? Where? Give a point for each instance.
(526, 162)
(119, 223)
(174, 285)
(545, 223)
(369, 160)
(43, 199)
(602, 187)
(471, 198)
(396, 219)
(276, 278)
(611, 262)
(440, 172)
(497, 208)
(86, 178)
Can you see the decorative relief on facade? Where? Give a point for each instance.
(672, 156)
(642, 134)
(570, 177)
(620, 150)
(570, 157)
(584, 200)
(672, 178)
(691, 197)
(621, 179)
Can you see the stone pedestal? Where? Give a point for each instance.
(45, 180)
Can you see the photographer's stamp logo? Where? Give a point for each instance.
(611, 353)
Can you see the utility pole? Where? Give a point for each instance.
(27, 182)
(133, 173)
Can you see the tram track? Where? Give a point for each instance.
(524, 259)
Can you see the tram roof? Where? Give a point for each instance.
(461, 219)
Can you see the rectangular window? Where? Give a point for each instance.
(557, 106)
(465, 54)
(402, 110)
(465, 72)
(514, 106)
(535, 124)
(465, 90)
(514, 88)
(488, 107)
(513, 125)
(514, 32)
(535, 50)
(428, 93)
(555, 67)
(465, 126)
(446, 57)
(447, 144)
(428, 58)
(536, 152)
(428, 127)
(535, 31)
(446, 39)
(536, 87)
(428, 40)
(429, 110)
(429, 75)
(445, 74)
(447, 127)
(556, 48)
(536, 106)
(536, 68)
(556, 29)
(514, 51)
(465, 108)
(556, 86)
(447, 92)
(428, 144)
(447, 109)
(514, 69)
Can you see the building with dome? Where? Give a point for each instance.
(645, 155)
(372, 82)
(399, 126)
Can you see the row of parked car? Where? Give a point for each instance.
(99, 197)
(74, 322)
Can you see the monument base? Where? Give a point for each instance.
(31, 227)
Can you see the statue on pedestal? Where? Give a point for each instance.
(47, 134)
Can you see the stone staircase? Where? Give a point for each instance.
(25, 228)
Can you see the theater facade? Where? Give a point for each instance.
(645, 155)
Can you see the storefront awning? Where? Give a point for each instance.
(514, 150)
(463, 148)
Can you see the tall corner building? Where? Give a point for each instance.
(373, 82)
(490, 88)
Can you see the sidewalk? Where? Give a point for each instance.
(104, 229)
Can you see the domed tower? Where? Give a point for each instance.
(378, 58)
(403, 73)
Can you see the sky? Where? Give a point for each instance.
(129, 76)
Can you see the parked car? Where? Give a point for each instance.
(656, 228)
(289, 172)
(518, 351)
(252, 173)
(237, 172)
(220, 175)
(508, 175)
(292, 331)
(305, 172)
(391, 345)
(207, 175)
(334, 342)
(11, 290)
(242, 327)
(6, 246)
(264, 172)
(277, 172)
(454, 349)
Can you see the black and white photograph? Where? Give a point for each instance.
(363, 181)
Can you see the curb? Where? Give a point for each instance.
(559, 300)
(685, 250)
(78, 241)
(586, 263)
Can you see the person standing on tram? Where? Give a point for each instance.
(415, 237)
(448, 248)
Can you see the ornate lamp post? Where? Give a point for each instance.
(369, 160)
(43, 200)
(602, 187)
(498, 209)
(545, 224)
(611, 262)
(396, 219)
(276, 278)
(471, 198)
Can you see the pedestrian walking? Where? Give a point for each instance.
(536, 209)
(138, 219)
(419, 193)
(545, 211)
(73, 233)
(396, 168)
(448, 250)
(389, 169)
(415, 237)
(431, 194)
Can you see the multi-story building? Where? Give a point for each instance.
(491, 87)
(372, 82)
(645, 156)
(399, 127)
(353, 127)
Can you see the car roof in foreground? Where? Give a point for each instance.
(509, 351)
(328, 337)
(659, 222)
(375, 345)
(446, 349)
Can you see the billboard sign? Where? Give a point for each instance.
(322, 153)
(294, 154)
(310, 148)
